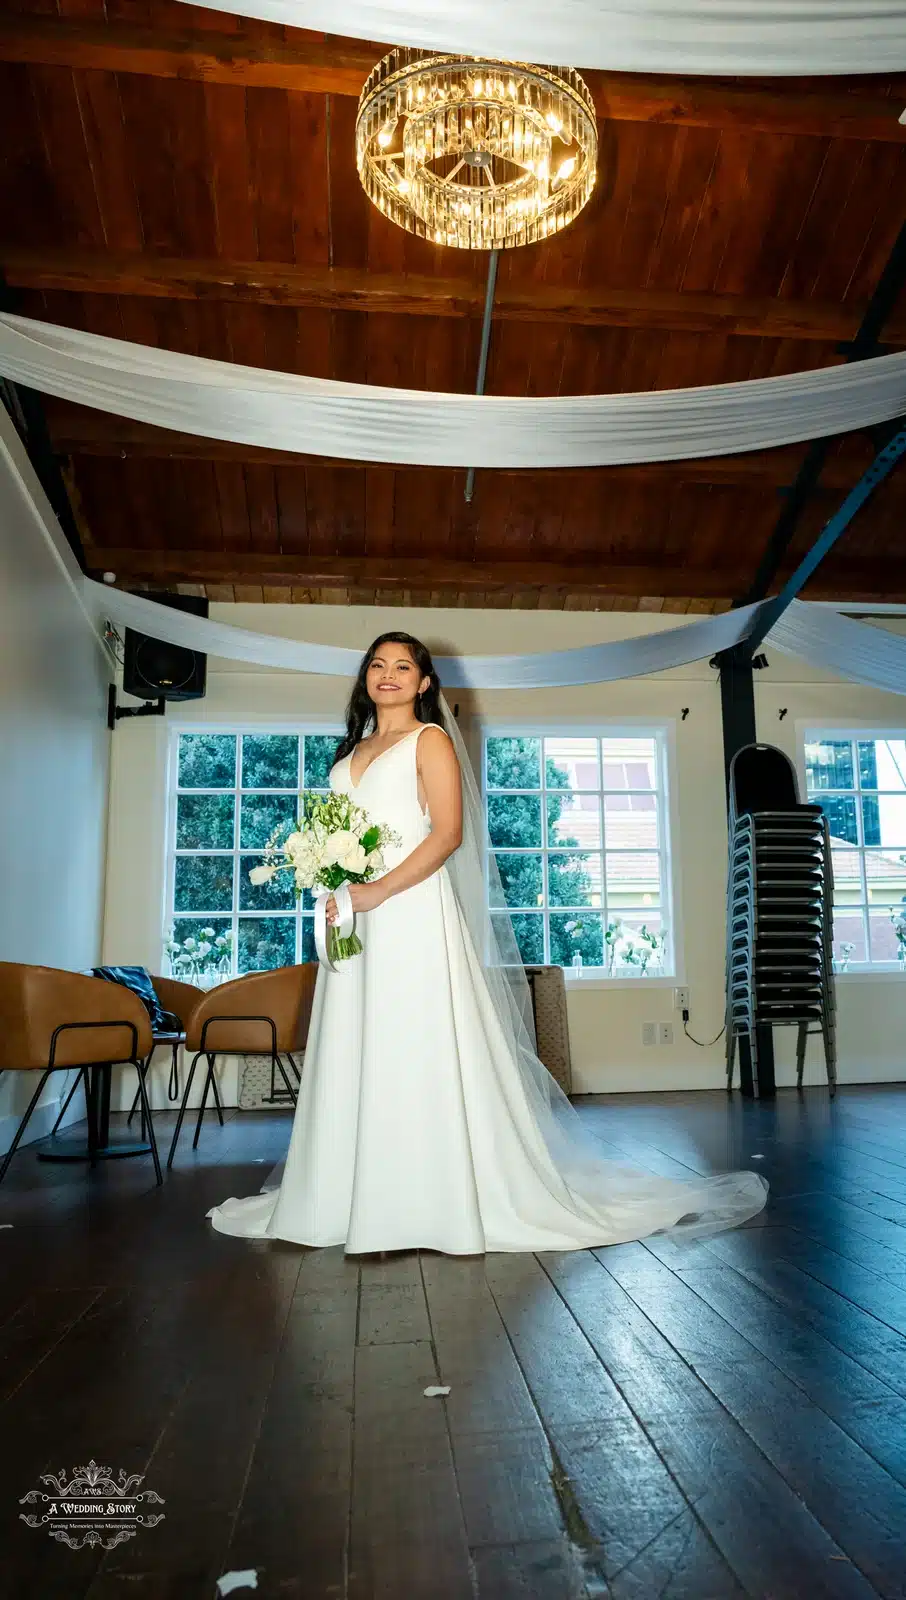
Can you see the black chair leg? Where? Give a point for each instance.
(217, 1100)
(24, 1124)
(137, 1102)
(289, 1088)
(204, 1100)
(146, 1118)
(182, 1110)
(173, 1085)
(66, 1103)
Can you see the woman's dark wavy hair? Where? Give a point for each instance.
(360, 712)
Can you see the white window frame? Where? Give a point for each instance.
(252, 729)
(663, 732)
(809, 732)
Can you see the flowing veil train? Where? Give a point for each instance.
(598, 1185)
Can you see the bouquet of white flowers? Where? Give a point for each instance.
(333, 843)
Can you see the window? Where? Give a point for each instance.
(578, 825)
(229, 792)
(860, 784)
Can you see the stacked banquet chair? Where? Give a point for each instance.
(779, 911)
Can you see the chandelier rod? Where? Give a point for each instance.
(485, 346)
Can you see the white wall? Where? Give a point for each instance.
(605, 1019)
(54, 749)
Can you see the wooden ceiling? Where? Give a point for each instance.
(186, 179)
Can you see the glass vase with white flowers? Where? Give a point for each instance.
(333, 843)
(204, 958)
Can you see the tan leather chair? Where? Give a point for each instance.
(53, 1020)
(264, 1013)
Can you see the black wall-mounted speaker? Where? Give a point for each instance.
(153, 670)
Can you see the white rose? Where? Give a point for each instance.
(257, 876)
(204, 948)
(337, 847)
(354, 858)
(295, 843)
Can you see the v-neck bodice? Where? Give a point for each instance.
(388, 792)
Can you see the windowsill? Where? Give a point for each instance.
(660, 982)
(872, 975)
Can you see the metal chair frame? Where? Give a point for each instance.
(210, 1080)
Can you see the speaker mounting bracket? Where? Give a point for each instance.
(115, 712)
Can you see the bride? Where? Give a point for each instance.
(425, 1118)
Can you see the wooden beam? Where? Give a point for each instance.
(341, 68)
(591, 578)
(403, 572)
(271, 283)
(76, 431)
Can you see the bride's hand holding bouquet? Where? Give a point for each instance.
(336, 849)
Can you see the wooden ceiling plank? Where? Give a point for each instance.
(355, 288)
(313, 570)
(340, 67)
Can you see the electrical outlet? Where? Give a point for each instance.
(665, 1033)
(649, 1033)
(681, 999)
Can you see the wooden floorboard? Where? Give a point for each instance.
(638, 1422)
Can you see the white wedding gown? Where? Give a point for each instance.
(413, 1127)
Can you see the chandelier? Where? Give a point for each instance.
(481, 155)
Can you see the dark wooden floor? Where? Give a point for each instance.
(633, 1422)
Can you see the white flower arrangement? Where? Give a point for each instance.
(334, 842)
(203, 957)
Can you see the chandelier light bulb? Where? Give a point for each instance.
(474, 148)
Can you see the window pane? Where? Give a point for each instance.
(194, 959)
(309, 952)
(829, 764)
(207, 760)
(630, 821)
(262, 813)
(270, 761)
(884, 819)
(882, 932)
(849, 938)
(574, 880)
(847, 877)
(529, 931)
(841, 817)
(514, 820)
(514, 763)
(574, 820)
(571, 763)
(204, 821)
(278, 895)
(633, 878)
(885, 875)
(203, 883)
(320, 751)
(629, 763)
(882, 764)
(634, 949)
(266, 942)
(522, 879)
(577, 935)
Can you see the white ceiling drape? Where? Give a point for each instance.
(363, 422)
(852, 650)
(747, 38)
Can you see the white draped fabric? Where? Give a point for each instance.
(364, 422)
(853, 650)
(600, 663)
(739, 37)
